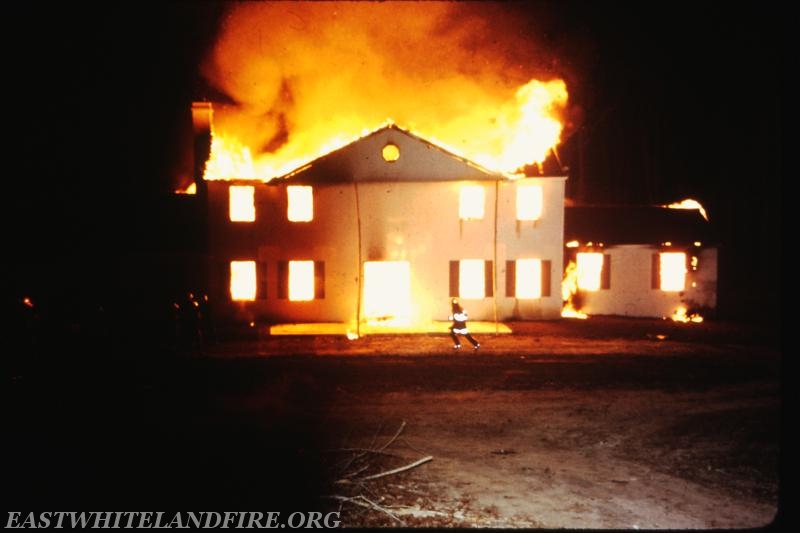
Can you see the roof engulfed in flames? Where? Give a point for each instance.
(307, 78)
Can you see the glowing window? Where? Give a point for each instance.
(471, 278)
(672, 271)
(471, 202)
(242, 203)
(390, 153)
(530, 200)
(300, 203)
(590, 271)
(301, 281)
(529, 278)
(243, 280)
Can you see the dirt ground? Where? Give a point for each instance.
(554, 459)
(599, 424)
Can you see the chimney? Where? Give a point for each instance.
(202, 113)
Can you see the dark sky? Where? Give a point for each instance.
(670, 100)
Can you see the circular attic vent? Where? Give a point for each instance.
(390, 153)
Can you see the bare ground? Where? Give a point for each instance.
(602, 424)
(557, 459)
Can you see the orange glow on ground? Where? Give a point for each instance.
(348, 331)
(673, 271)
(243, 280)
(590, 268)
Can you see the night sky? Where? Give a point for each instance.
(669, 101)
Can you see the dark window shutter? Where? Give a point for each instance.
(283, 280)
(605, 272)
(224, 275)
(319, 280)
(655, 271)
(262, 281)
(511, 279)
(488, 274)
(547, 265)
(454, 275)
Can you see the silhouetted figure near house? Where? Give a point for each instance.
(208, 330)
(188, 322)
(459, 317)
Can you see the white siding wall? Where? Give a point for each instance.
(631, 292)
(413, 221)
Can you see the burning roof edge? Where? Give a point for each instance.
(489, 174)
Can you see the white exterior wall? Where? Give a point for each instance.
(414, 221)
(631, 291)
(419, 222)
(541, 239)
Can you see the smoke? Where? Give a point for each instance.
(302, 72)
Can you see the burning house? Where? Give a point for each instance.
(383, 232)
(641, 261)
(321, 210)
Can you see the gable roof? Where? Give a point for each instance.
(362, 160)
(622, 224)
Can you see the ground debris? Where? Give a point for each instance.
(362, 490)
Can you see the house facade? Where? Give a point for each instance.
(641, 261)
(385, 230)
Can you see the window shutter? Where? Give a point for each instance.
(283, 280)
(224, 270)
(488, 273)
(511, 279)
(454, 274)
(319, 280)
(655, 271)
(605, 272)
(547, 265)
(261, 278)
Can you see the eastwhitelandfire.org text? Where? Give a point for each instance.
(130, 519)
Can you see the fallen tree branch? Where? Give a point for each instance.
(369, 505)
(372, 449)
(399, 469)
(394, 438)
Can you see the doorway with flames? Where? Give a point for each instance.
(386, 294)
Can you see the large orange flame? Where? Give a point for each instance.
(307, 78)
(682, 314)
(569, 288)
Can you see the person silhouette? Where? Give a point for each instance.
(459, 327)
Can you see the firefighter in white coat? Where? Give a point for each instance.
(459, 317)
